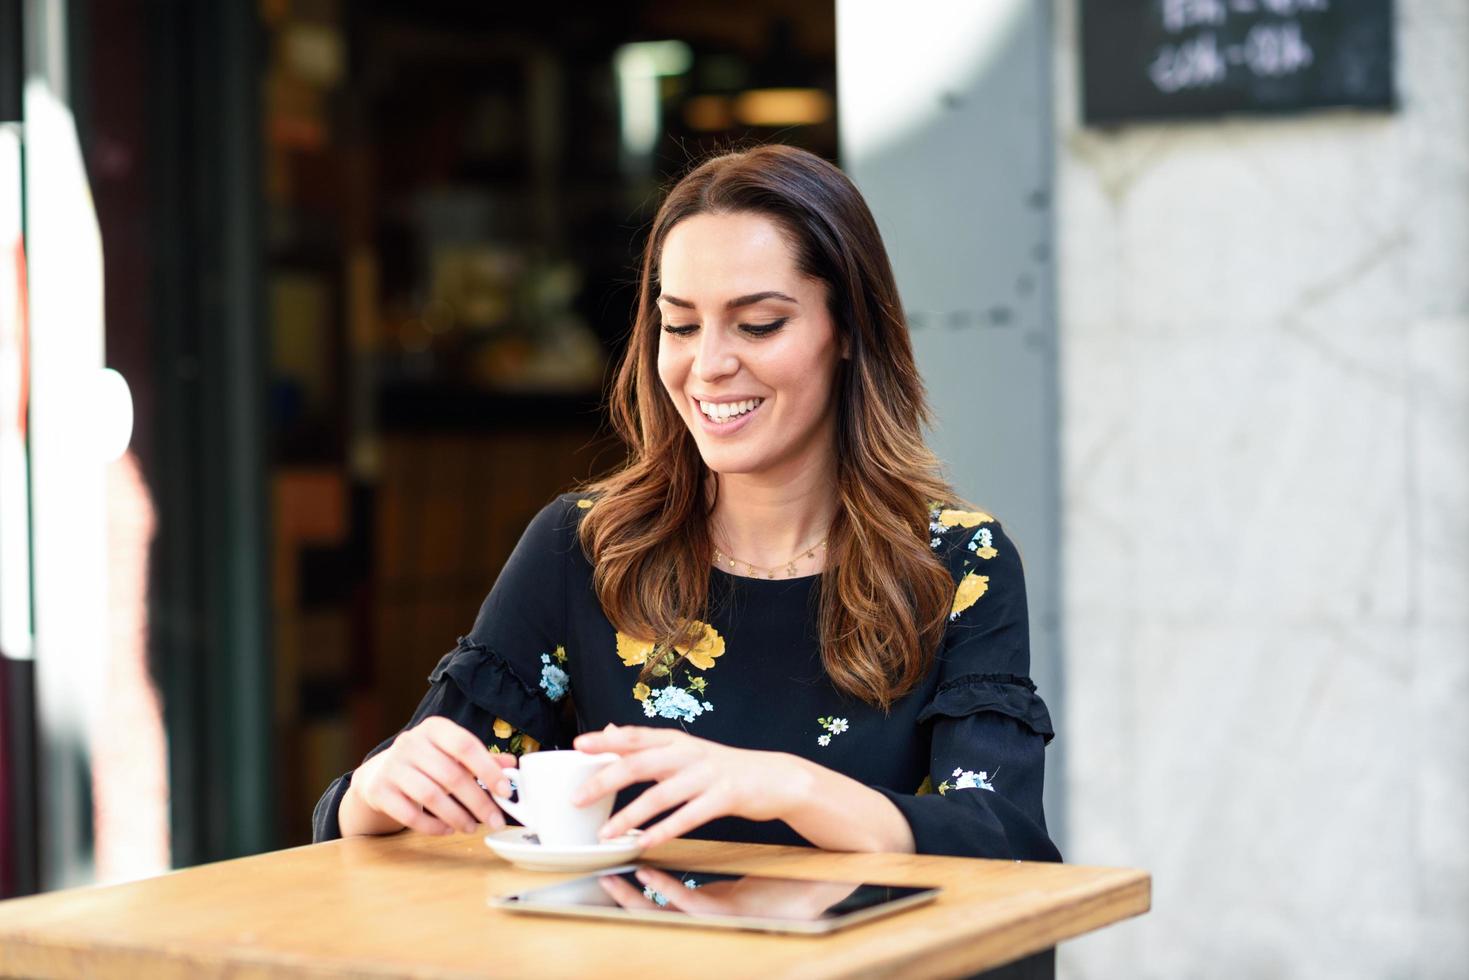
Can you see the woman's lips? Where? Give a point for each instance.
(725, 428)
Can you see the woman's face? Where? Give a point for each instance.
(747, 351)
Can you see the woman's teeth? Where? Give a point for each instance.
(723, 411)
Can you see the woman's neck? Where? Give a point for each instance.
(767, 523)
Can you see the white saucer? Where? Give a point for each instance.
(512, 845)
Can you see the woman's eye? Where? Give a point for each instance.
(752, 329)
(762, 329)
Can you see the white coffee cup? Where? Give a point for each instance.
(545, 781)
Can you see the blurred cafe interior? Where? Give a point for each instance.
(367, 264)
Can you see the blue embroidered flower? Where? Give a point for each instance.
(554, 680)
(983, 543)
(674, 702)
(967, 779)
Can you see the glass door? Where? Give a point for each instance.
(18, 866)
(67, 425)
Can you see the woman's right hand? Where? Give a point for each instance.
(425, 781)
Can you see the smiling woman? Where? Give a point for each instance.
(760, 365)
(778, 614)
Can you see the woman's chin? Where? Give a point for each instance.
(730, 464)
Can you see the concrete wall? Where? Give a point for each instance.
(946, 128)
(1264, 337)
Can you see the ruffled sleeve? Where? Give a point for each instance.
(506, 680)
(987, 727)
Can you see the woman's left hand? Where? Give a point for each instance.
(710, 780)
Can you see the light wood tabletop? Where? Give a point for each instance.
(415, 905)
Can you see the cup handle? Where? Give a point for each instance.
(516, 810)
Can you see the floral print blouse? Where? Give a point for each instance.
(962, 756)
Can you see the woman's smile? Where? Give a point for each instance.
(725, 418)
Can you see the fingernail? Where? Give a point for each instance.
(503, 788)
(605, 832)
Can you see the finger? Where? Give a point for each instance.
(501, 785)
(625, 738)
(654, 800)
(460, 783)
(643, 766)
(460, 744)
(624, 894)
(421, 788)
(695, 813)
(408, 813)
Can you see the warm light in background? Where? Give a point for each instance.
(708, 113)
(783, 107)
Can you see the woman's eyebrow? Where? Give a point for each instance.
(735, 303)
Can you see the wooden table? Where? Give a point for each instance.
(414, 905)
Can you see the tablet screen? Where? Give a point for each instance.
(681, 896)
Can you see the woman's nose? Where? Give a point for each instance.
(715, 357)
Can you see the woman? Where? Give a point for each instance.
(774, 613)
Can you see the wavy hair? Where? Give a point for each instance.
(884, 594)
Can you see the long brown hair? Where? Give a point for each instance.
(884, 594)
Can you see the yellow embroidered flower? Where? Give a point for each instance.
(986, 552)
(964, 518)
(560, 654)
(970, 589)
(528, 744)
(502, 728)
(710, 645)
(584, 504)
(633, 652)
(926, 788)
(640, 691)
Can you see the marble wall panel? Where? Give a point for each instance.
(1433, 78)
(1264, 330)
(1263, 773)
(1267, 474)
(1439, 475)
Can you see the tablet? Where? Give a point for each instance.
(687, 897)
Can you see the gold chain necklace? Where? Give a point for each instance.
(758, 570)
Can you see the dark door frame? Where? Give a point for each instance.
(208, 591)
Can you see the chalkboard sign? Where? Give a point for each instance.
(1158, 59)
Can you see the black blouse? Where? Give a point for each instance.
(962, 756)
